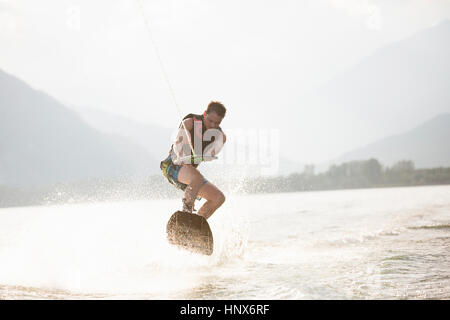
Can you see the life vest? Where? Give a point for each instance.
(197, 134)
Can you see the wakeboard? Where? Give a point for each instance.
(190, 232)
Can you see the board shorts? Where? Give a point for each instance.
(171, 170)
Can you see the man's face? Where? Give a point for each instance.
(212, 120)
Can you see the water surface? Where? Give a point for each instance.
(390, 243)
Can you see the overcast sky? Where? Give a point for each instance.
(256, 57)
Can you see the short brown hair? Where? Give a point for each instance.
(216, 107)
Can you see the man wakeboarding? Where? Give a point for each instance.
(199, 139)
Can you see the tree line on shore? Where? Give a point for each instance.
(352, 175)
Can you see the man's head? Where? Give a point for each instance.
(214, 114)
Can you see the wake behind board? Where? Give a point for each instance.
(190, 232)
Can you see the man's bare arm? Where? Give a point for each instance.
(216, 146)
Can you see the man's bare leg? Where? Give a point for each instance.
(194, 179)
(214, 199)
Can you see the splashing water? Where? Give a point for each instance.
(374, 243)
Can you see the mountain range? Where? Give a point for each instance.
(44, 141)
(389, 92)
(427, 145)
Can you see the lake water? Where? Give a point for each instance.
(391, 243)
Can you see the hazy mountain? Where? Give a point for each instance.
(43, 142)
(427, 145)
(155, 139)
(398, 86)
(387, 93)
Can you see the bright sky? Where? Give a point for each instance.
(256, 56)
